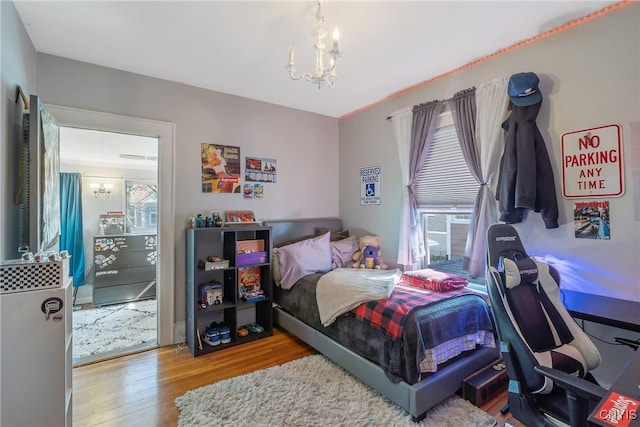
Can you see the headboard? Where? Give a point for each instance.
(287, 230)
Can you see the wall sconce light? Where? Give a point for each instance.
(101, 189)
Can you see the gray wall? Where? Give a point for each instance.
(296, 139)
(18, 63)
(589, 77)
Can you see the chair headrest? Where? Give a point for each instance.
(503, 241)
(519, 272)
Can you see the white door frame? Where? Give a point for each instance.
(165, 132)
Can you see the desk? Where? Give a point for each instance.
(604, 310)
(627, 384)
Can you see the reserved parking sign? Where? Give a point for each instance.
(371, 185)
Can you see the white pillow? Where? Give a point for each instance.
(522, 271)
(302, 258)
(342, 252)
(275, 267)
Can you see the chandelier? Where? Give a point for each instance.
(321, 75)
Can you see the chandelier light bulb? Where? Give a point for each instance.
(291, 55)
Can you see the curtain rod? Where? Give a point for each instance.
(446, 101)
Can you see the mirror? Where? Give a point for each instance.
(39, 180)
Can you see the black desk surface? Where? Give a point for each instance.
(623, 398)
(600, 309)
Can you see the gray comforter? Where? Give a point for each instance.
(424, 328)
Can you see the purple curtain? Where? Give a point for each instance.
(423, 128)
(463, 110)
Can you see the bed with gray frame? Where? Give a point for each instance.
(415, 398)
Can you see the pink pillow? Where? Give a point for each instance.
(433, 280)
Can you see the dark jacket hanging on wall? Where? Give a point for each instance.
(526, 180)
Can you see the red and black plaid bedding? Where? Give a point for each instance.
(388, 314)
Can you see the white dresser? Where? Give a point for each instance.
(37, 354)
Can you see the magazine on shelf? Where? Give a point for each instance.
(249, 284)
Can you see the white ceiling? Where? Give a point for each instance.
(86, 147)
(241, 47)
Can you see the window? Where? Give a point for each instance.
(141, 206)
(445, 234)
(445, 192)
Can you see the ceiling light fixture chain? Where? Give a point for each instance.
(321, 76)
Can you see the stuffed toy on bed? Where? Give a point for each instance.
(369, 255)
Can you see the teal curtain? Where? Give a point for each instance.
(71, 224)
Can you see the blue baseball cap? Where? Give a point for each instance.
(523, 89)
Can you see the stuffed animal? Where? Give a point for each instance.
(369, 255)
(370, 258)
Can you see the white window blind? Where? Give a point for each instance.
(445, 179)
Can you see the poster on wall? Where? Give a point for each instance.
(592, 162)
(371, 185)
(258, 169)
(253, 191)
(258, 191)
(220, 168)
(591, 220)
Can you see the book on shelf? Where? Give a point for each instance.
(254, 299)
(240, 217)
(248, 281)
(210, 293)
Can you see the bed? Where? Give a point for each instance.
(416, 392)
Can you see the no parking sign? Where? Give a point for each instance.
(592, 162)
(371, 185)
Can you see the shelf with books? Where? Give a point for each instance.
(231, 296)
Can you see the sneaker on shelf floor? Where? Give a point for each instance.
(255, 328)
(212, 335)
(225, 333)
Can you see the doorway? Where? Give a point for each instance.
(163, 217)
(115, 308)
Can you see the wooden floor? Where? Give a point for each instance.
(139, 389)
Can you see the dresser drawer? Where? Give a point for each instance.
(117, 260)
(123, 293)
(111, 244)
(121, 276)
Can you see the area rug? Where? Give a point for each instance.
(311, 391)
(113, 328)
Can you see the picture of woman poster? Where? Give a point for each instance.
(220, 168)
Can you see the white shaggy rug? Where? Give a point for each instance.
(311, 391)
(115, 327)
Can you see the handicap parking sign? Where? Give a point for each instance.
(371, 185)
(370, 190)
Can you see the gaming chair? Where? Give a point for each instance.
(548, 356)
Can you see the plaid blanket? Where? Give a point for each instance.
(389, 314)
(433, 280)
